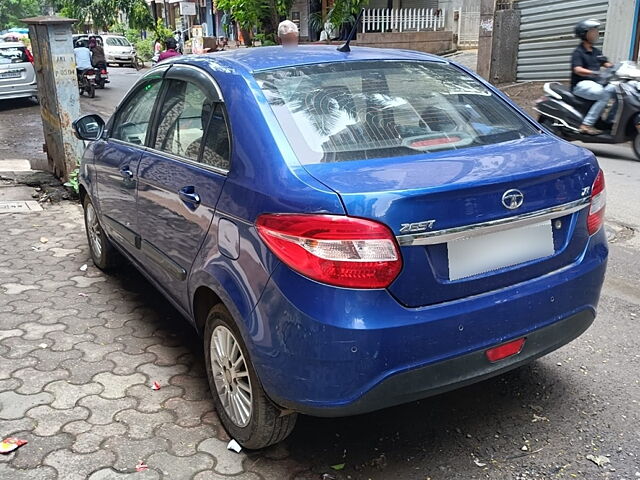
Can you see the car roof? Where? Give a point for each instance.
(267, 58)
(11, 44)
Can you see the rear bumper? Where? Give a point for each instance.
(455, 373)
(19, 91)
(327, 351)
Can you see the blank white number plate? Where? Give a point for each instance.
(484, 253)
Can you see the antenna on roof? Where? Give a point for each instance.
(345, 47)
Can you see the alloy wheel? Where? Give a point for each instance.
(231, 376)
(94, 230)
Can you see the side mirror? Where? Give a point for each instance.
(89, 127)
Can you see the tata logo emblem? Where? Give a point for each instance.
(512, 199)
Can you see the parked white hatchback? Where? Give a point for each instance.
(17, 75)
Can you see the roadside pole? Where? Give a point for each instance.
(57, 90)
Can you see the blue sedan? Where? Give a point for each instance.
(347, 230)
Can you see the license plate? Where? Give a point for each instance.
(91, 77)
(10, 75)
(479, 254)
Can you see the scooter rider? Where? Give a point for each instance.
(585, 67)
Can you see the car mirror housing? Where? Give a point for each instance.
(89, 127)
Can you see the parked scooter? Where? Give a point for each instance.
(562, 112)
(87, 82)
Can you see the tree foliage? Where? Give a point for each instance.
(104, 13)
(12, 11)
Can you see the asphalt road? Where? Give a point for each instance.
(538, 422)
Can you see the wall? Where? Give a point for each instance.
(547, 36)
(450, 5)
(618, 39)
(429, 42)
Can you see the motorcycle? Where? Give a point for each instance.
(562, 112)
(102, 75)
(87, 82)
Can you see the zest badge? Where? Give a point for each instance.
(417, 226)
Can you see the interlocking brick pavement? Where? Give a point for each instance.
(76, 370)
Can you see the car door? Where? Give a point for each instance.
(117, 160)
(181, 176)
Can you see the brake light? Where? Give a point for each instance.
(597, 205)
(505, 350)
(29, 55)
(333, 249)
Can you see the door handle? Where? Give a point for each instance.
(126, 173)
(189, 196)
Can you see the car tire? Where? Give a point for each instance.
(635, 143)
(266, 425)
(103, 253)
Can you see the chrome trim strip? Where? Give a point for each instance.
(455, 233)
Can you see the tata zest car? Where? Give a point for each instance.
(348, 231)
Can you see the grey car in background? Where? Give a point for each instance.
(17, 75)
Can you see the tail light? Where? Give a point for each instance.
(103, 71)
(597, 206)
(29, 55)
(337, 250)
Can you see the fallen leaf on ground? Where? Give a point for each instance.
(599, 460)
(339, 466)
(9, 444)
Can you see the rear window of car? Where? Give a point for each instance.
(118, 42)
(349, 111)
(13, 55)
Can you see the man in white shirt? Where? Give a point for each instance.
(83, 56)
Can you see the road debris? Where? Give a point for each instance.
(83, 268)
(234, 446)
(599, 460)
(141, 466)
(327, 476)
(478, 462)
(44, 239)
(10, 444)
(82, 294)
(539, 418)
(155, 386)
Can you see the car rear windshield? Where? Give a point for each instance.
(13, 55)
(348, 111)
(118, 42)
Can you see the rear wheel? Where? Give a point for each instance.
(91, 90)
(635, 143)
(244, 409)
(103, 254)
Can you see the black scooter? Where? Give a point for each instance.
(562, 112)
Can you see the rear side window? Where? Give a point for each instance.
(358, 110)
(13, 55)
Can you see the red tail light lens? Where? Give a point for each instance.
(505, 350)
(597, 206)
(27, 52)
(337, 250)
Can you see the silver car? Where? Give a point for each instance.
(118, 50)
(17, 75)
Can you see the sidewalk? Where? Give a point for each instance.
(79, 351)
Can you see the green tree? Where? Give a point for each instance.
(11, 11)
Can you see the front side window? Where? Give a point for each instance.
(183, 119)
(371, 109)
(133, 118)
